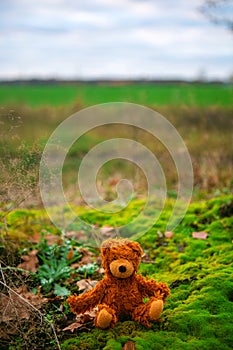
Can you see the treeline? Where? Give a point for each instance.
(116, 82)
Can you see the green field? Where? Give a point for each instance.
(202, 114)
(201, 95)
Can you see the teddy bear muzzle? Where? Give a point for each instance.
(121, 268)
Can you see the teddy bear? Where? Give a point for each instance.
(120, 294)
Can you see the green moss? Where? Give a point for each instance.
(113, 345)
(198, 314)
(25, 222)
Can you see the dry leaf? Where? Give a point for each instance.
(13, 307)
(100, 270)
(92, 313)
(6, 332)
(34, 299)
(129, 345)
(106, 230)
(85, 285)
(70, 254)
(51, 239)
(73, 326)
(82, 320)
(87, 316)
(200, 235)
(78, 236)
(159, 233)
(87, 258)
(31, 261)
(146, 259)
(169, 234)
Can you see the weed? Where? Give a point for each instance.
(56, 260)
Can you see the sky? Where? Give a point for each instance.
(118, 39)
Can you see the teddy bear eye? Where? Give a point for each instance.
(114, 258)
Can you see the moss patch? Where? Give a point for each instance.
(198, 315)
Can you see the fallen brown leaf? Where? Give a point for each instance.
(200, 235)
(87, 316)
(82, 320)
(5, 332)
(146, 259)
(51, 239)
(34, 299)
(13, 306)
(78, 236)
(106, 230)
(87, 256)
(30, 261)
(92, 313)
(129, 345)
(73, 326)
(70, 254)
(100, 270)
(168, 234)
(85, 285)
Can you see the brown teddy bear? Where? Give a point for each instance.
(121, 292)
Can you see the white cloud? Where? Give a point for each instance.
(100, 38)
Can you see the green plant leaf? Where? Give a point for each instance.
(61, 291)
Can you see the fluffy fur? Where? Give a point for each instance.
(121, 292)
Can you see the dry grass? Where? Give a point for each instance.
(24, 131)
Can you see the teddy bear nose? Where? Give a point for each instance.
(122, 268)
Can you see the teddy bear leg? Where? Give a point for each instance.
(106, 317)
(150, 311)
(155, 309)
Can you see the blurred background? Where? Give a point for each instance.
(58, 56)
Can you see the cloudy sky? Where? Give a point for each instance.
(111, 39)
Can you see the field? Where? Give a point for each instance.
(41, 264)
(201, 95)
(202, 114)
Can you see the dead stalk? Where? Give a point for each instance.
(33, 307)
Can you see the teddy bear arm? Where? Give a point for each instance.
(86, 301)
(163, 290)
(149, 287)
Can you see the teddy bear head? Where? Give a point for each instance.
(120, 257)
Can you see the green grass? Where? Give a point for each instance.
(198, 315)
(202, 114)
(148, 94)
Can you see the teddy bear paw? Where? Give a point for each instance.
(156, 309)
(104, 319)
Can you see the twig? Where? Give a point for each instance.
(11, 268)
(3, 277)
(4, 280)
(6, 227)
(17, 204)
(33, 307)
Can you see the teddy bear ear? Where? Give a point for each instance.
(104, 251)
(135, 246)
(105, 247)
